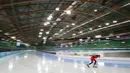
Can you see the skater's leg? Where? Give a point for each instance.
(90, 63)
(95, 63)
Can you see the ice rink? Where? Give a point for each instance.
(30, 62)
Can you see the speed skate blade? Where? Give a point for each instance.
(88, 66)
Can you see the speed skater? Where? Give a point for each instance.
(93, 60)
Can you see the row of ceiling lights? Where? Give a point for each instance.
(58, 19)
(107, 24)
(95, 10)
(12, 37)
(49, 18)
(73, 24)
(82, 31)
(97, 36)
(69, 12)
(41, 33)
(89, 28)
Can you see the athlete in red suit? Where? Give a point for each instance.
(93, 59)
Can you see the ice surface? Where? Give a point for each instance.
(31, 63)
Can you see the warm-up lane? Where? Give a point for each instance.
(29, 62)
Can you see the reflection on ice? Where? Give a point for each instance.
(54, 65)
(34, 64)
(43, 62)
(17, 58)
(39, 67)
(75, 65)
(62, 60)
(61, 71)
(51, 62)
(25, 56)
(101, 63)
(94, 71)
(83, 68)
(10, 66)
(59, 59)
(46, 68)
(40, 72)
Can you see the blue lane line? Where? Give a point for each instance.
(111, 63)
(3, 54)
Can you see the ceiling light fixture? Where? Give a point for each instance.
(95, 10)
(68, 12)
(99, 26)
(74, 34)
(81, 32)
(98, 36)
(107, 38)
(0, 30)
(13, 37)
(45, 24)
(44, 42)
(47, 32)
(88, 37)
(50, 17)
(18, 40)
(73, 24)
(40, 32)
(115, 21)
(56, 34)
(81, 40)
(92, 40)
(67, 25)
(107, 24)
(41, 29)
(61, 30)
(57, 9)
(6, 33)
(44, 38)
(117, 36)
(39, 36)
(58, 19)
(54, 23)
(90, 28)
(48, 22)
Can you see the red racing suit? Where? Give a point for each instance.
(93, 58)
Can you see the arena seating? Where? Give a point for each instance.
(123, 43)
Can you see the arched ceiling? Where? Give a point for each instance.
(24, 19)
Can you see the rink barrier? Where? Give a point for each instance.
(88, 49)
(3, 54)
(101, 62)
(105, 53)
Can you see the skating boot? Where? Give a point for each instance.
(94, 66)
